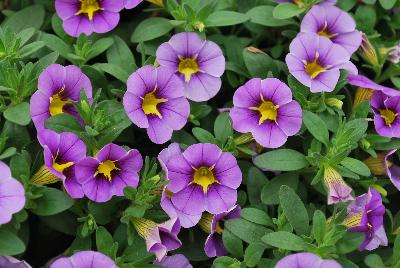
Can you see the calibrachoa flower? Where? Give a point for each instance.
(109, 172)
(316, 61)
(203, 178)
(85, 259)
(10, 262)
(266, 109)
(155, 101)
(61, 153)
(197, 62)
(88, 16)
(129, 4)
(365, 215)
(338, 190)
(394, 54)
(12, 194)
(306, 260)
(333, 23)
(59, 86)
(214, 226)
(386, 109)
(174, 261)
(160, 238)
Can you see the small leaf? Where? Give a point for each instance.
(257, 216)
(281, 160)
(31, 16)
(232, 243)
(223, 127)
(19, 114)
(284, 240)
(356, 166)
(64, 123)
(151, 29)
(316, 126)
(263, 15)
(286, 11)
(253, 254)
(10, 244)
(245, 230)
(51, 202)
(270, 192)
(225, 18)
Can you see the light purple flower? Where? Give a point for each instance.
(85, 259)
(386, 114)
(266, 109)
(394, 54)
(11, 262)
(109, 172)
(203, 178)
(155, 101)
(129, 4)
(12, 194)
(316, 61)
(61, 154)
(365, 215)
(174, 261)
(88, 16)
(363, 82)
(58, 88)
(338, 190)
(333, 23)
(214, 226)
(198, 63)
(306, 260)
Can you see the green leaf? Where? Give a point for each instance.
(294, 210)
(225, 18)
(257, 216)
(253, 254)
(356, 166)
(115, 70)
(316, 126)
(245, 230)
(120, 54)
(319, 226)
(99, 47)
(31, 16)
(286, 11)
(396, 251)
(31, 48)
(151, 29)
(374, 261)
(64, 123)
(52, 202)
(203, 135)
(232, 243)
(105, 242)
(19, 114)
(263, 15)
(349, 242)
(256, 180)
(223, 127)
(270, 192)
(284, 240)
(10, 151)
(281, 160)
(56, 44)
(387, 4)
(10, 244)
(259, 63)
(366, 18)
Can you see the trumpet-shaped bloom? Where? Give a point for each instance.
(109, 172)
(316, 61)
(129, 4)
(198, 63)
(333, 23)
(85, 259)
(386, 114)
(174, 261)
(12, 194)
(155, 101)
(338, 190)
(58, 88)
(88, 16)
(266, 109)
(11, 262)
(306, 260)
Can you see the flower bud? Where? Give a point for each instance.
(338, 190)
(334, 102)
(368, 51)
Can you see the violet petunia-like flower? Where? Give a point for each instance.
(109, 172)
(11, 262)
(316, 61)
(160, 238)
(88, 16)
(386, 114)
(174, 261)
(59, 87)
(306, 260)
(85, 259)
(266, 109)
(198, 63)
(129, 4)
(12, 194)
(338, 190)
(365, 215)
(203, 178)
(155, 101)
(61, 153)
(214, 226)
(333, 23)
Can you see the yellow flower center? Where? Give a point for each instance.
(353, 220)
(314, 68)
(299, 3)
(150, 102)
(267, 109)
(188, 67)
(204, 177)
(218, 228)
(106, 168)
(389, 116)
(61, 167)
(57, 103)
(89, 7)
(325, 31)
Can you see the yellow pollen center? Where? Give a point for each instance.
(267, 109)
(204, 177)
(188, 67)
(314, 68)
(389, 116)
(218, 228)
(89, 7)
(150, 102)
(106, 168)
(57, 104)
(61, 167)
(325, 31)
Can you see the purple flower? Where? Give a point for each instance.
(83, 259)
(316, 61)
(155, 101)
(198, 63)
(88, 16)
(203, 178)
(333, 23)
(386, 114)
(174, 261)
(160, 238)
(266, 109)
(214, 226)
(394, 54)
(365, 215)
(109, 172)
(338, 190)
(306, 260)
(368, 51)
(129, 4)
(12, 194)
(59, 87)
(61, 154)
(10, 262)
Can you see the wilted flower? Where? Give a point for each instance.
(394, 54)
(88, 16)
(365, 215)
(333, 23)
(368, 51)
(197, 62)
(214, 226)
(109, 172)
(338, 190)
(266, 109)
(174, 261)
(160, 238)
(129, 4)
(316, 61)
(386, 109)
(155, 101)
(306, 260)
(11, 262)
(83, 259)
(59, 87)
